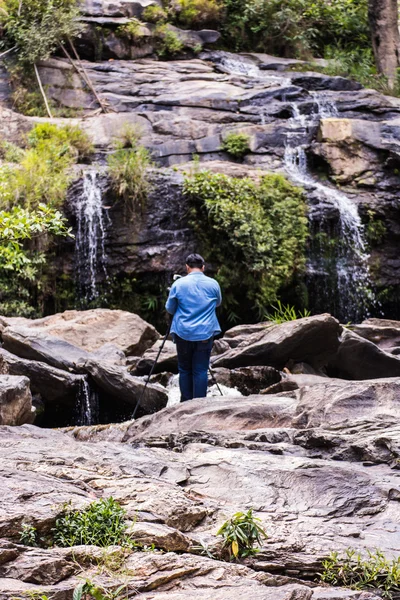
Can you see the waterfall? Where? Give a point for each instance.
(354, 294)
(90, 255)
(87, 404)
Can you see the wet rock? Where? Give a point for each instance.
(15, 401)
(53, 385)
(358, 358)
(312, 339)
(90, 330)
(315, 81)
(248, 380)
(117, 383)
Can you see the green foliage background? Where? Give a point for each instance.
(254, 233)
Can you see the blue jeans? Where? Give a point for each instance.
(193, 364)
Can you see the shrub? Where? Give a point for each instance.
(236, 144)
(130, 31)
(128, 168)
(102, 523)
(254, 234)
(295, 27)
(169, 43)
(154, 14)
(70, 138)
(240, 533)
(11, 152)
(27, 535)
(357, 572)
(37, 27)
(197, 13)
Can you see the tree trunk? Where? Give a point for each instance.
(383, 20)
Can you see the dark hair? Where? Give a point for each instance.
(195, 261)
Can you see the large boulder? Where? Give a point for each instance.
(312, 339)
(53, 385)
(15, 400)
(33, 344)
(382, 332)
(92, 329)
(358, 358)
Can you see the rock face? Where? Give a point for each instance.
(15, 400)
(317, 337)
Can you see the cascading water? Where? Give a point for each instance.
(87, 405)
(90, 255)
(354, 295)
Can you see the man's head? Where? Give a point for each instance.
(194, 262)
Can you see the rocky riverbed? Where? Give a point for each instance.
(315, 454)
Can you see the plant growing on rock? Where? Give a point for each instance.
(154, 14)
(357, 572)
(128, 169)
(254, 234)
(168, 43)
(196, 13)
(241, 533)
(236, 144)
(102, 523)
(130, 31)
(284, 313)
(27, 535)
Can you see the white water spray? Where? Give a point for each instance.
(90, 237)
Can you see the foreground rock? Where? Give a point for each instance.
(15, 400)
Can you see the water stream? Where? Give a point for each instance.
(90, 254)
(87, 405)
(353, 282)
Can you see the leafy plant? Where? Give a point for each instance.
(357, 572)
(27, 535)
(130, 30)
(154, 14)
(89, 589)
(196, 13)
(128, 169)
(36, 28)
(284, 313)
(168, 43)
(240, 534)
(102, 523)
(375, 230)
(253, 233)
(236, 144)
(11, 152)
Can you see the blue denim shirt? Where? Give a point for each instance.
(193, 300)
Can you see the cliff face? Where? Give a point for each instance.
(327, 134)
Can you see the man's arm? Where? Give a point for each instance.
(219, 295)
(172, 303)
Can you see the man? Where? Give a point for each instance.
(193, 300)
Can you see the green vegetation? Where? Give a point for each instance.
(284, 313)
(130, 31)
(28, 535)
(236, 144)
(375, 230)
(31, 191)
(357, 572)
(253, 232)
(196, 13)
(38, 27)
(168, 44)
(102, 523)
(240, 534)
(128, 169)
(89, 589)
(154, 14)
